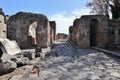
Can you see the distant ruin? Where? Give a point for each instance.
(95, 30)
(61, 36)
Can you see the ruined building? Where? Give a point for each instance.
(95, 30)
(3, 27)
(29, 30)
(61, 36)
(52, 31)
(6, 46)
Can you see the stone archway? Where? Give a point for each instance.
(93, 32)
(32, 33)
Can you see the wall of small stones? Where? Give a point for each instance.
(18, 27)
(80, 32)
(3, 29)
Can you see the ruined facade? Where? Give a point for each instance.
(3, 29)
(29, 29)
(114, 33)
(94, 30)
(61, 36)
(71, 32)
(52, 31)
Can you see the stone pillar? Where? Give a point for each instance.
(3, 28)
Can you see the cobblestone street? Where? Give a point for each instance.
(68, 63)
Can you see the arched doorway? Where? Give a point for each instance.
(32, 33)
(93, 32)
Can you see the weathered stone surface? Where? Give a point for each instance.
(60, 36)
(22, 61)
(90, 30)
(9, 47)
(95, 30)
(29, 54)
(16, 77)
(37, 54)
(6, 57)
(22, 27)
(74, 64)
(38, 49)
(6, 67)
(114, 33)
(115, 74)
(3, 28)
(52, 31)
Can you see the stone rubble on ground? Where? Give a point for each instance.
(68, 63)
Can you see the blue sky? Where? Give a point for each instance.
(62, 11)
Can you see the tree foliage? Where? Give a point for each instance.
(103, 7)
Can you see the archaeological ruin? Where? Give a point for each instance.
(52, 31)
(30, 30)
(30, 49)
(61, 36)
(3, 28)
(24, 31)
(95, 30)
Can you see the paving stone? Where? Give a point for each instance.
(79, 64)
(109, 70)
(101, 67)
(86, 69)
(108, 64)
(88, 76)
(109, 78)
(65, 78)
(62, 68)
(115, 74)
(52, 78)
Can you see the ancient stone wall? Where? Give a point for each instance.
(53, 31)
(29, 29)
(90, 30)
(114, 34)
(70, 32)
(61, 36)
(2, 25)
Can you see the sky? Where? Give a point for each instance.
(64, 12)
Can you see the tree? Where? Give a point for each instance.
(115, 9)
(102, 7)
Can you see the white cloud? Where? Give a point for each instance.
(79, 12)
(63, 22)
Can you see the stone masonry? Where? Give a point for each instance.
(3, 29)
(52, 31)
(114, 33)
(61, 36)
(95, 30)
(29, 29)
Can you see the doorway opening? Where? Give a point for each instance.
(1, 53)
(93, 32)
(32, 33)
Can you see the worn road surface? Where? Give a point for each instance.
(69, 63)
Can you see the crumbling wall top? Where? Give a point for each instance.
(27, 15)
